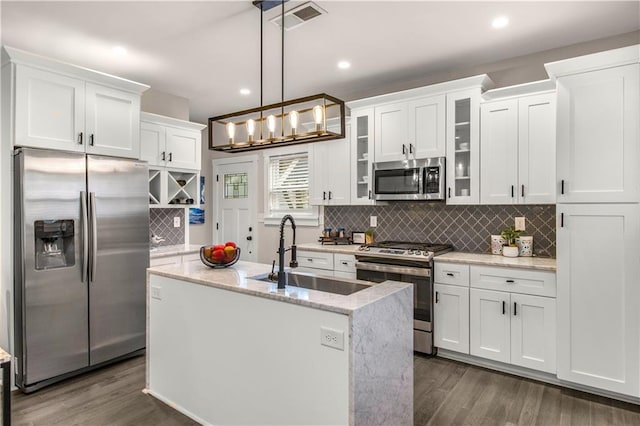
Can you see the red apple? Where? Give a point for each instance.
(218, 247)
(230, 244)
(218, 255)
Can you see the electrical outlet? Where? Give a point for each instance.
(332, 338)
(176, 222)
(373, 221)
(520, 225)
(156, 292)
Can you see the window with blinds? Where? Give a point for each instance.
(289, 183)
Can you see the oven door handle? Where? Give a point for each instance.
(404, 270)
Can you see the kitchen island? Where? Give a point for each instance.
(224, 348)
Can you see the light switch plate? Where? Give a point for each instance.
(520, 223)
(176, 222)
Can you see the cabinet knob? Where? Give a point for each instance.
(437, 297)
(504, 307)
(515, 309)
(91, 139)
(450, 274)
(164, 156)
(510, 281)
(522, 191)
(324, 195)
(369, 194)
(80, 138)
(562, 186)
(512, 191)
(249, 238)
(404, 149)
(170, 156)
(345, 263)
(329, 195)
(410, 148)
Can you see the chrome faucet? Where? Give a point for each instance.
(281, 250)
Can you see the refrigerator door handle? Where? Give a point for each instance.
(94, 235)
(85, 234)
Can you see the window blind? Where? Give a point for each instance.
(289, 182)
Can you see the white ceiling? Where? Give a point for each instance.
(206, 51)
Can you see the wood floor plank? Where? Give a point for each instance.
(445, 393)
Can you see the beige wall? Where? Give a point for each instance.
(503, 73)
(162, 103)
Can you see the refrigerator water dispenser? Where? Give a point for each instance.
(54, 244)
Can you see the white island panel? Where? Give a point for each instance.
(224, 357)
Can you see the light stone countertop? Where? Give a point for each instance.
(539, 263)
(4, 356)
(330, 248)
(177, 250)
(238, 278)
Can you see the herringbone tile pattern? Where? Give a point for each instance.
(467, 228)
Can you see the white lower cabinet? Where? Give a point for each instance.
(514, 328)
(513, 316)
(451, 318)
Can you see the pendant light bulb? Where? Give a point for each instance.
(318, 116)
(231, 131)
(293, 119)
(271, 125)
(251, 128)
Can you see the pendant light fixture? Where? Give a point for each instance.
(313, 118)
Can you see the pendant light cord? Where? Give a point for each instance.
(282, 72)
(261, 44)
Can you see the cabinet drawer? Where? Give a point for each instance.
(344, 262)
(315, 259)
(524, 281)
(451, 273)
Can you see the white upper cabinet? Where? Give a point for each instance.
(61, 106)
(169, 142)
(329, 171)
(49, 110)
(391, 132)
(362, 156)
(518, 150)
(463, 147)
(537, 149)
(411, 130)
(427, 122)
(598, 141)
(112, 122)
(499, 155)
(598, 294)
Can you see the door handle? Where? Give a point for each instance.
(249, 238)
(504, 307)
(91, 139)
(85, 234)
(94, 236)
(80, 140)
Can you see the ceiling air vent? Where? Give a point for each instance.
(299, 15)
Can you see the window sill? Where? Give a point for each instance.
(300, 220)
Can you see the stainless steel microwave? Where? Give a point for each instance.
(409, 180)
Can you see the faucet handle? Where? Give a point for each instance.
(273, 276)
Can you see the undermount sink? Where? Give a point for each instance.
(314, 282)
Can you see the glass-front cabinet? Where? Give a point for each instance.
(362, 155)
(463, 147)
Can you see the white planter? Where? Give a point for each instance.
(509, 251)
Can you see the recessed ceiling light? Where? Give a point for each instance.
(343, 65)
(119, 50)
(245, 91)
(500, 22)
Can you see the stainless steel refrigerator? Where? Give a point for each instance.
(81, 253)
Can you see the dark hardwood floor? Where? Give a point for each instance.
(446, 393)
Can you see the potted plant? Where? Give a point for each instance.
(510, 234)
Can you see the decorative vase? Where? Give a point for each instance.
(497, 242)
(510, 251)
(525, 246)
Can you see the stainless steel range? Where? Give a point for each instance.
(406, 262)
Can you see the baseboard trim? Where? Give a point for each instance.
(532, 374)
(175, 406)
